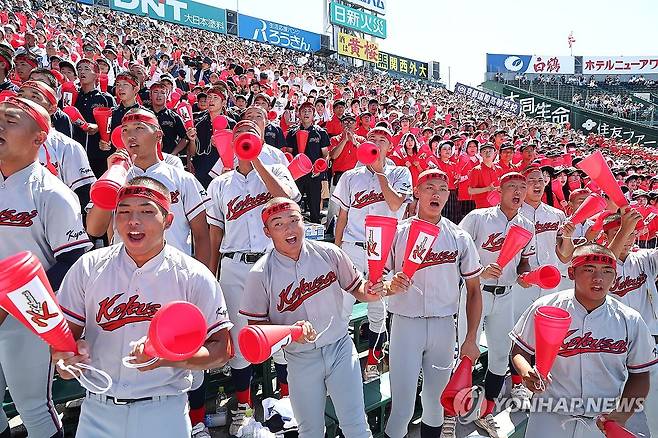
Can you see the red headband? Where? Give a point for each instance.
(278, 208)
(141, 117)
(511, 176)
(43, 89)
(33, 62)
(593, 259)
(381, 131)
(146, 193)
(32, 110)
(125, 77)
(6, 61)
(432, 174)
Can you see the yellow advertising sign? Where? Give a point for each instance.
(356, 47)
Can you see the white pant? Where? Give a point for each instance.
(498, 320)
(419, 343)
(549, 425)
(376, 310)
(335, 369)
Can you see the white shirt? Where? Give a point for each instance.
(548, 221)
(69, 159)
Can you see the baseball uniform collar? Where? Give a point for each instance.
(138, 171)
(22, 175)
(581, 309)
(151, 265)
(287, 261)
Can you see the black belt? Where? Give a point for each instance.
(360, 244)
(245, 257)
(127, 401)
(497, 290)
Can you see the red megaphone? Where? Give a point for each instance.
(103, 81)
(461, 379)
(592, 205)
(105, 191)
(69, 94)
(302, 139)
(248, 146)
(546, 277)
(614, 430)
(380, 231)
(259, 342)
(597, 169)
(117, 141)
(288, 156)
(517, 238)
(76, 117)
(557, 190)
(219, 123)
(191, 97)
(422, 235)
(102, 115)
(176, 332)
(300, 166)
(26, 294)
(367, 153)
(493, 198)
(184, 109)
(320, 166)
(223, 140)
(173, 100)
(551, 326)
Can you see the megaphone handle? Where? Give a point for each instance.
(76, 371)
(126, 362)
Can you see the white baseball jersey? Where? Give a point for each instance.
(599, 350)
(581, 230)
(115, 300)
(237, 202)
(173, 160)
(38, 213)
(268, 156)
(488, 227)
(359, 193)
(548, 221)
(452, 256)
(285, 291)
(69, 159)
(188, 200)
(635, 285)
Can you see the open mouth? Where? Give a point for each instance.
(597, 289)
(136, 236)
(291, 240)
(435, 204)
(516, 200)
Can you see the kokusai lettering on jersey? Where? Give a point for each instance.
(588, 344)
(374, 243)
(363, 198)
(494, 242)
(438, 258)
(37, 305)
(624, 285)
(237, 207)
(116, 316)
(12, 218)
(549, 226)
(421, 246)
(289, 302)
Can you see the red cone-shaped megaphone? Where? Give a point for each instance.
(223, 140)
(380, 231)
(551, 326)
(184, 109)
(517, 238)
(422, 235)
(26, 294)
(597, 169)
(259, 342)
(271, 115)
(248, 146)
(219, 123)
(614, 430)
(102, 115)
(103, 81)
(174, 98)
(69, 94)
(104, 192)
(76, 117)
(319, 166)
(299, 166)
(116, 138)
(592, 205)
(176, 332)
(493, 198)
(289, 156)
(302, 139)
(546, 277)
(461, 379)
(367, 153)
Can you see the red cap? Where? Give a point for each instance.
(511, 176)
(380, 131)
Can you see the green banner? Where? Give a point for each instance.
(357, 20)
(401, 65)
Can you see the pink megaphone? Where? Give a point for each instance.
(105, 191)
(422, 235)
(551, 326)
(176, 332)
(300, 166)
(597, 169)
(102, 115)
(26, 294)
(248, 146)
(76, 117)
(614, 430)
(367, 153)
(69, 94)
(380, 231)
(517, 238)
(592, 205)
(461, 379)
(302, 140)
(223, 140)
(219, 123)
(103, 81)
(184, 109)
(259, 342)
(320, 166)
(546, 277)
(116, 138)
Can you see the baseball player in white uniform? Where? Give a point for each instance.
(378, 189)
(606, 355)
(237, 237)
(423, 332)
(488, 227)
(112, 294)
(303, 282)
(40, 214)
(141, 134)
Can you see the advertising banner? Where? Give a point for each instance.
(378, 6)
(354, 19)
(355, 47)
(499, 63)
(277, 34)
(405, 66)
(183, 12)
(489, 99)
(620, 65)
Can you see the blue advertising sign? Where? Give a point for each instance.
(499, 63)
(277, 34)
(183, 12)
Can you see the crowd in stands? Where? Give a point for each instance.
(615, 104)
